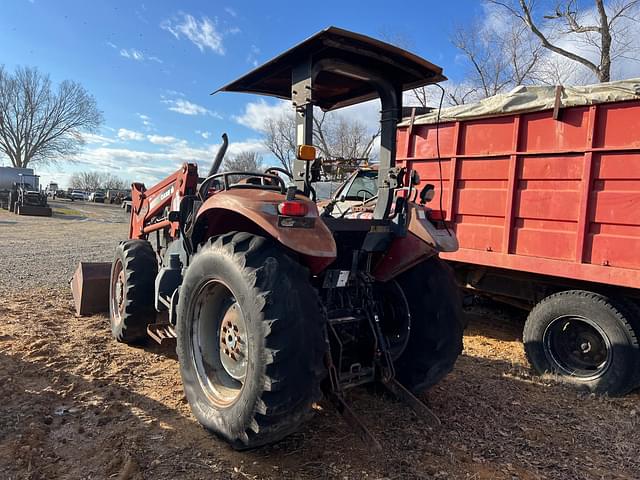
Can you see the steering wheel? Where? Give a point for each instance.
(364, 198)
(275, 170)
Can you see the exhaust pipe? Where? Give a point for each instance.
(219, 156)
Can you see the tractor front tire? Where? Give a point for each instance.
(251, 340)
(132, 290)
(437, 324)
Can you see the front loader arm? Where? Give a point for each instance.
(150, 207)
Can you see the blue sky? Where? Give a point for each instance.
(152, 65)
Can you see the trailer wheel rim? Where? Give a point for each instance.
(219, 343)
(577, 347)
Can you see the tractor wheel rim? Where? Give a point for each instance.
(577, 347)
(219, 342)
(233, 343)
(118, 288)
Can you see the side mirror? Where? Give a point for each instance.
(427, 193)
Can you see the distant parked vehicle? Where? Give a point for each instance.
(52, 190)
(78, 195)
(96, 197)
(117, 196)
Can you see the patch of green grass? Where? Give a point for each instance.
(67, 212)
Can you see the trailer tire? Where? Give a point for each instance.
(247, 284)
(586, 338)
(132, 290)
(437, 325)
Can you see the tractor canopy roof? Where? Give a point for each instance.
(331, 89)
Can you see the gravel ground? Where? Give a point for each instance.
(77, 405)
(41, 251)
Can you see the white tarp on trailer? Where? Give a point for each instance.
(535, 98)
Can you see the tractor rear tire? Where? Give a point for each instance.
(251, 340)
(437, 324)
(588, 339)
(132, 290)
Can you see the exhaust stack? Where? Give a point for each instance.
(220, 155)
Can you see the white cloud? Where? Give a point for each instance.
(252, 57)
(162, 140)
(151, 167)
(146, 120)
(132, 54)
(185, 107)
(137, 55)
(145, 166)
(204, 135)
(112, 45)
(92, 138)
(124, 134)
(202, 32)
(231, 11)
(257, 113)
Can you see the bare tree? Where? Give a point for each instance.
(335, 135)
(88, 181)
(280, 139)
(112, 182)
(38, 124)
(246, 161)
(607, 34)
(92, 181)
(338, 137)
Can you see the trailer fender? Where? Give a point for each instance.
(255, 211)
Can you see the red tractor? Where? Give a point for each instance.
(273, 302)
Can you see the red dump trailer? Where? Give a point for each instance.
(542, 187)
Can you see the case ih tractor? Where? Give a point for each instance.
(274, 302)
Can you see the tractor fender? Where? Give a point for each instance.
(255, 211)
(422, 241)
(441, 240)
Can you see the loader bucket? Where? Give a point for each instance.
(33, 210)
(90, 287)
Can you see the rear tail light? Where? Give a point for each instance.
(292, 208)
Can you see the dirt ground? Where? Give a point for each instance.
(74, 404)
